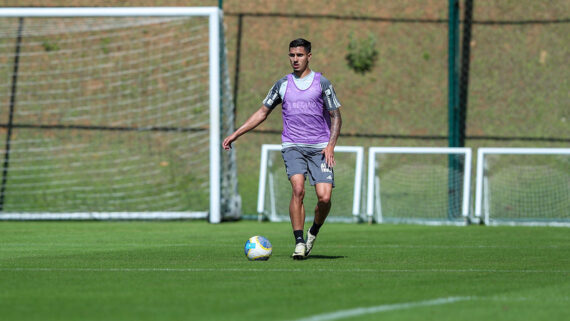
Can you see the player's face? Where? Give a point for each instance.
(299, 59)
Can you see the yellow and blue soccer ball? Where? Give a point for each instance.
(258, 248)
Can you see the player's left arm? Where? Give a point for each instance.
(336, 124)
(333, 106)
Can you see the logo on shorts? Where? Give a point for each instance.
(329, 177)
(325, 168)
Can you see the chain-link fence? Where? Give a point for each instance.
(513, 76)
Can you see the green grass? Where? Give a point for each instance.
(197, 271)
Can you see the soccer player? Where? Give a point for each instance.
(311, 126)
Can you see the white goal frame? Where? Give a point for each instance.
(214, 16)
(374, 188)
(481, 186)
(263, 177)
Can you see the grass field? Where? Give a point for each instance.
(197, 271)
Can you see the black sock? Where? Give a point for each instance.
(315, 228)
(298, 236)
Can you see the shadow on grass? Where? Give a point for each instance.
(326, 257)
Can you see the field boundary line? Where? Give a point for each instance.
(342, 314)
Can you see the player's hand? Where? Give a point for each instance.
(329, 155)
(227, 143)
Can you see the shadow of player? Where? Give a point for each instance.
(325, 257)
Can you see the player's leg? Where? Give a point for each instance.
(324, 193)
(322, 177)
(322, 210)
(296, 207)
(297, 214)
(296, 167)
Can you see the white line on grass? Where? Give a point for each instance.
(230, 244)
(40, 269)
(342, 314)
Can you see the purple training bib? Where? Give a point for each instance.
(305, 120)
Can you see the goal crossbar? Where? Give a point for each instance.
(109, 12)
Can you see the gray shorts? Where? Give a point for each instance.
(309, 162)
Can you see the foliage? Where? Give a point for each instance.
(362, 54)
(50, 46)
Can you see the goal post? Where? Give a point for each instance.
(116, 113)
(274, 191)
(523, 186)
(411, 185)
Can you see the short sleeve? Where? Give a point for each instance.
(273, 98)
(329, 95)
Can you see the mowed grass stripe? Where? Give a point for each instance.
(41, 269)
(226, 244)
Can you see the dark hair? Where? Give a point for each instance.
(300, 42)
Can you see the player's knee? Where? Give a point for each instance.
(299, 192)
(324, 198)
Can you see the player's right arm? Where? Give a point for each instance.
(272, 99)
(253, 121)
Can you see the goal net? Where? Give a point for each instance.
(275, 189)
(528, 186)
(419, 185)
(115, 113)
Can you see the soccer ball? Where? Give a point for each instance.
(258, 248)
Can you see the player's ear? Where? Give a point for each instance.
(309, 55)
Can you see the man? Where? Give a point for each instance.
(311, 126)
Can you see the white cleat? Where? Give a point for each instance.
(311, 239)
(300, 250)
